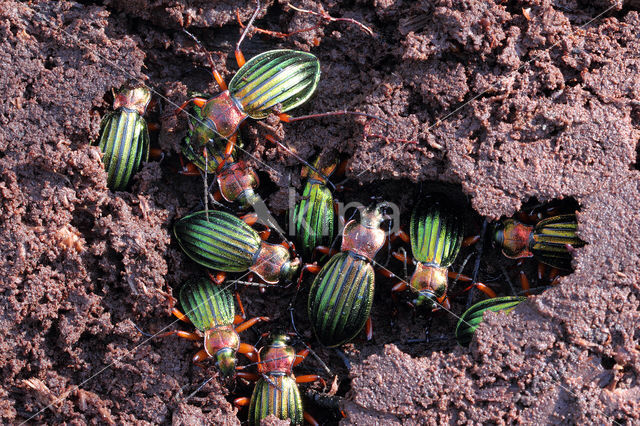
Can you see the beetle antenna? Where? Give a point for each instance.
(388, 246)
(273, 140)
(533, 289)
(290, 308)
(315, 355)
(278, 358)
(336, 113)
(199, 388)
(246, 29)
(344, 358)
(251, 284)
(403, 252)
(205, 175)
(460, 269)
(301, 340)
(506, 277)
(201, 46)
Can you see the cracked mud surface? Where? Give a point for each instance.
(504, 109)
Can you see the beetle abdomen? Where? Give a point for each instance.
(436, 231)
(223, 242)
(124, 142)
(550, 239)
(472, 317)
(206, 304)
(340, 299)
(314, 217)
(276, 395)
(285, 77)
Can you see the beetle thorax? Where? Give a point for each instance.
(429, 278)
(225, 113)
(221, 337)
(269, 262)
(516, 237)
(132, 98)
(362, 240)
(277, 359)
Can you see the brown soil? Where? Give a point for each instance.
(505, 109)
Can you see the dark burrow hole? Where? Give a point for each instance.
(607, 362)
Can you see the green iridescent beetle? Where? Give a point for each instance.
(341, 295)
(472, 317)
(211, 310)
(313, 218)
(276, 392)
(283, 78)
(124, 138)
(221, 241)
(436, 234)
(551, 241)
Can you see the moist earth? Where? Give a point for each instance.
(500, 104)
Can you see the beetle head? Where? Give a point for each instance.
(290, 268)
(428, 299)
(226, 362)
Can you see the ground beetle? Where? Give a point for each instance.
(313, 216)
(276, 392)
(436, 233)
(341, 295)
(223, 242)
(551, 241)
(275, 81)
(276, 78)
(236, 181)
(201, 148)
(211, 310)
(124, 138)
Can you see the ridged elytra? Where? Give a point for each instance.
(276, 395)
(551, 237)
(340, 299)
(548, 241)
(284, 77)
(436, 231)
(341, 295)
(472, 317)
(207, 305)
(218, 240)
(124, 138)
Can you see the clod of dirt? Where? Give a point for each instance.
(183, 14)
(78, 261)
